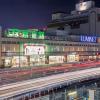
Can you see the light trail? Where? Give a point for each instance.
(15, 76)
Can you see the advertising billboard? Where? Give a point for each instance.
(84, 5)
(33, 49)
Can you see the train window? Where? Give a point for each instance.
(98, 17)
(26, 98)
(32, 96)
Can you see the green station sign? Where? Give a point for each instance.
(28, 33)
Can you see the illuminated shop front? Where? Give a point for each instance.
(21, 61)
(73, 57)
(56, 59)
(28, 54)
(35, 53)
(9, 51)
(92, 57)
(8, 61)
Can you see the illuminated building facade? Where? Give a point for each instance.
(22, 48)
(71, 38)
(27, 48)
(80, 29)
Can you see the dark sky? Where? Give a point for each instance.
(31, 13)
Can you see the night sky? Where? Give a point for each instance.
(32, 13)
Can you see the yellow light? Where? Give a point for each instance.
(72, 93)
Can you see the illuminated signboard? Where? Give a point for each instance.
(88, 39)
(33, 49)
(30, 33)
(84, 5)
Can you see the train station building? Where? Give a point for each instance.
(68, 38)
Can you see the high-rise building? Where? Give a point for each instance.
(84, 20)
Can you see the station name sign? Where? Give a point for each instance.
(91, 39)
(27, 33)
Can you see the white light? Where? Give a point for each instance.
(84, 5)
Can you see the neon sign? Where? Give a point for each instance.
(27, 33)
(88, 39)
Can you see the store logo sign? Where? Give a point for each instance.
(88, 39)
